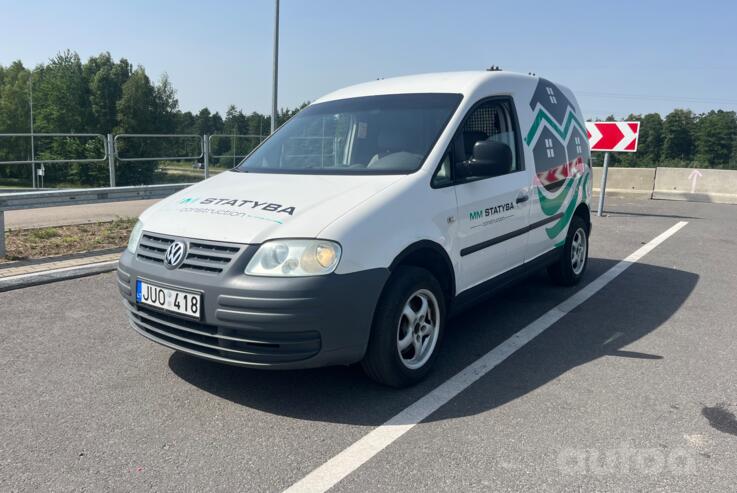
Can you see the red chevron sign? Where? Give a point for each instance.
(613, 136)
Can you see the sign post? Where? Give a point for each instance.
(41, 172)
(206, 152)
(602, 187)
(611, 137)
(111, 158)
(275, 87)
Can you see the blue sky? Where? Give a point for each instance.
(619, 57)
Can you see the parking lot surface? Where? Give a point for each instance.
(635, 389)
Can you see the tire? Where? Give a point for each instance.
(400, 315)
(569, 268)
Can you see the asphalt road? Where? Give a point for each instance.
(75, 214)
(635, 389)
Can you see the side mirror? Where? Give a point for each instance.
(489, 159)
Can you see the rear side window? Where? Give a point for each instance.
(492, 120)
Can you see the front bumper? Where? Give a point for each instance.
(260, 322)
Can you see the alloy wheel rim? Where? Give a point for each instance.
(578, 251)
(418, 329)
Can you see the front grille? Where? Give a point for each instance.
(202, 256)
(153, 247)
(223, 343)
(208, 256)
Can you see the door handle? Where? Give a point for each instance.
(523, 197)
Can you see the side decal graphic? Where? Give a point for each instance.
(551, 205)
(557, 139)
(560, 226)
(562, 132)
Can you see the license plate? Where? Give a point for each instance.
(172, 300)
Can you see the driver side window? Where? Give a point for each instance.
(493, 121)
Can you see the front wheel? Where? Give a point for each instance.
(569, 268)
(407, 328)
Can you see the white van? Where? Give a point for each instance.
(354, 231)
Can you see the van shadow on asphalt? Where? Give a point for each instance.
(639, 301)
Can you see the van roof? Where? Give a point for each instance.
(441, 82)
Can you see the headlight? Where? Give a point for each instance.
(292, 258)
(135, 237)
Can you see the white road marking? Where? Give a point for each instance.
(350, 459)
(42, 273)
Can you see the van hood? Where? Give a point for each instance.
(254, 207)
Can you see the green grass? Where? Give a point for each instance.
(44, 233)
(65, 240)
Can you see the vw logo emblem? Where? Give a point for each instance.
(174, 255)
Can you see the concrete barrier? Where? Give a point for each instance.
(626, 181)
(695, 185)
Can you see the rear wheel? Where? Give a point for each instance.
(407, 328)
(569, 268)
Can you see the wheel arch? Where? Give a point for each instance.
(429, 255)
(584, 213)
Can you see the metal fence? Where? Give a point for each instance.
(199, 139)
(113, 148)
(46, 136)
(63, 161)
(252, 141)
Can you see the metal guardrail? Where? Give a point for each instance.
(57, 198)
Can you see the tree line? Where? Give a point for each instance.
(102, 96)
(682, 139)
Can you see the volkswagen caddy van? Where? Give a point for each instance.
(355, 230)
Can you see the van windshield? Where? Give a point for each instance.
(388, 134)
